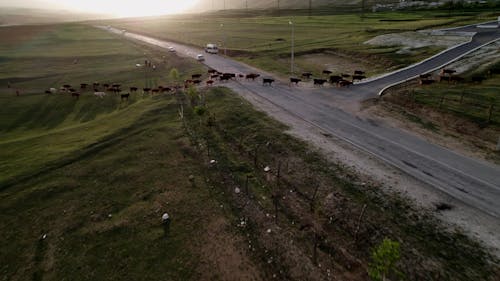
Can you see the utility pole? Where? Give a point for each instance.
(362, 8)
(224, 38)
(310, 8)
(293, 43)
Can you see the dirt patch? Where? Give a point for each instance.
(341, 62)
(414, 40)
(224, 254)
(22, 33)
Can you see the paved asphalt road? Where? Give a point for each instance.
(473, 182)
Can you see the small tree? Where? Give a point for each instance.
(200, 111)
(384, 259)
(193, 96)
(174, 75)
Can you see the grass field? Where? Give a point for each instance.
(266, 41)
(95, 176)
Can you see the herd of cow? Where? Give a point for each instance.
(101, 90)
(445, 74)
(341, 80)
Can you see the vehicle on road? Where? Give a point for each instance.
(211, 48)
(171, 49)
(200, 57)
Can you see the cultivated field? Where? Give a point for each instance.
(85, 181)
(266, 41)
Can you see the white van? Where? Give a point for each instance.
(211, 49)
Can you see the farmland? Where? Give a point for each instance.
(264, 41)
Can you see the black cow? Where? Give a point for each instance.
(334, 79)
(295, 80)
(196, 76)
(319, 82)
(124, 96)
(224, 78)
(344, 83)
(358, 77)
(359, 72)
(426, 81)
(327, 72)
(267, 81)
(307, 75)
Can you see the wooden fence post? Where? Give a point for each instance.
(441, 102)
(490, 113)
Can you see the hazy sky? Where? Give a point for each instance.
(115, 7)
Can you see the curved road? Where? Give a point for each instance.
(473, 182)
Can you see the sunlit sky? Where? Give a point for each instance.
(122, 8)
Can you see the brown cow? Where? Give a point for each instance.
(445, 71)
(210, 82)
(252, 76)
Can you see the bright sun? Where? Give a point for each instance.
(130, 8)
